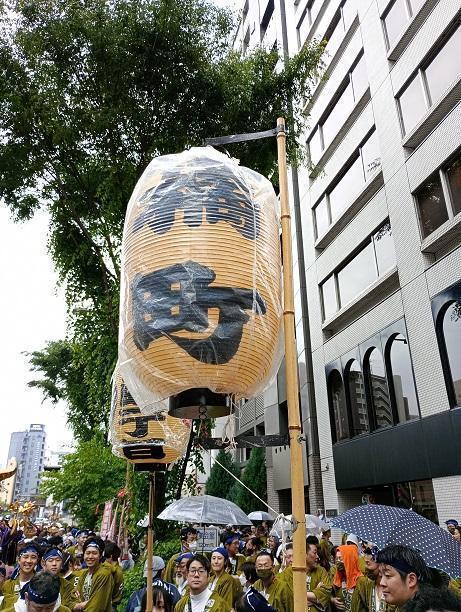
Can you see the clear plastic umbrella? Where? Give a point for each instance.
(205, 509)
(260, 515)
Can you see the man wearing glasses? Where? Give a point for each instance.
(200, 598)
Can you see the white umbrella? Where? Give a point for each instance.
(260, 515)
(205, 509)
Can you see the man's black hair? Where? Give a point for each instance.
(265, 553)
(312, 539)
(46, 584)
(405, 560)
(432, 598)
(202, 560)
(99, 543)
(55, 541)
(185, 531)
(256, 541)
(249, 570)
(288, 546)
(112, 551)
(3, 571)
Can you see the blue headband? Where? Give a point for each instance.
(222, 551)
(52, 552)
(231, 539)
(184, 556)
(41, 598)
(28, 549)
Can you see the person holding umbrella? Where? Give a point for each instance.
(200, 598)
(188, 544)
(403, 574)
(221, 582)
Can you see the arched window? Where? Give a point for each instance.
(377, 388)
(401, 381)
(355, 389)
(338, 408)
(451, 329)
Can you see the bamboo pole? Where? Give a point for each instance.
(150, 543)
(291, 368)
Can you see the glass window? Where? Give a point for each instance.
(329, 299)
(303, 28)
(349, 12)
(401, 372)
(452, 338)
(360, 78)
(454, 181)
(357, 275)
(345, 191)
(379, 391)
(338, 409)
(315, 146)
(412, 104)
(357, 399)
(334, 34)
(445, 67)
(371, 155)
(431, 203)
(416, 5)
(395, 21)
(321, 218)
(384, 249)
(338, 115)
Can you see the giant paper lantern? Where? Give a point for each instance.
(144, 436)
(201, 279)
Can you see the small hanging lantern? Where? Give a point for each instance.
(201, 313)
(151, 437)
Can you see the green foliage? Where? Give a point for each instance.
(220, 483)
(166, 547)
(132, 581)
(255, 477)
(90, 476)
(90, 92)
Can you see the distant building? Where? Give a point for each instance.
(28, 447)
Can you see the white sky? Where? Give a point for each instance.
(32, 312)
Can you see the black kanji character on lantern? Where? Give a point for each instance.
(217, 190)
(177, 299)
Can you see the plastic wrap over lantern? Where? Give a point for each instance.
(144, 436)
(201, 279)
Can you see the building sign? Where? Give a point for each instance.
(207, 538)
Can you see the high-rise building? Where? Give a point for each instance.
(378, 251)
(28, 447)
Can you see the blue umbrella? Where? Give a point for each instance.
(385, 525)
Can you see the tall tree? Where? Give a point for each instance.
(220, 482)
(255, 478)
(90, 92)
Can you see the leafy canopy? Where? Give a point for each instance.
(220, 482)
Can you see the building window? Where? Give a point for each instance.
(375, 377)
(401, 380)
(375, 258)
(307, 19)
(439, 197)
(362, 166)
(349, 93)
(338, 409)
(398, 17)
(430, 83)
(355, 393)
(338, 27)
(446, 308)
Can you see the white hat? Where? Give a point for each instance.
(157, 564)
(353, 539)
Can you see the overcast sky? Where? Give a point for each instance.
(32, 312)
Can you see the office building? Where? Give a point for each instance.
(378, 300)
(28, 448)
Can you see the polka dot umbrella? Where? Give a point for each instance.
(385, 525)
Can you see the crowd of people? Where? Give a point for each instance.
(57, 569)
